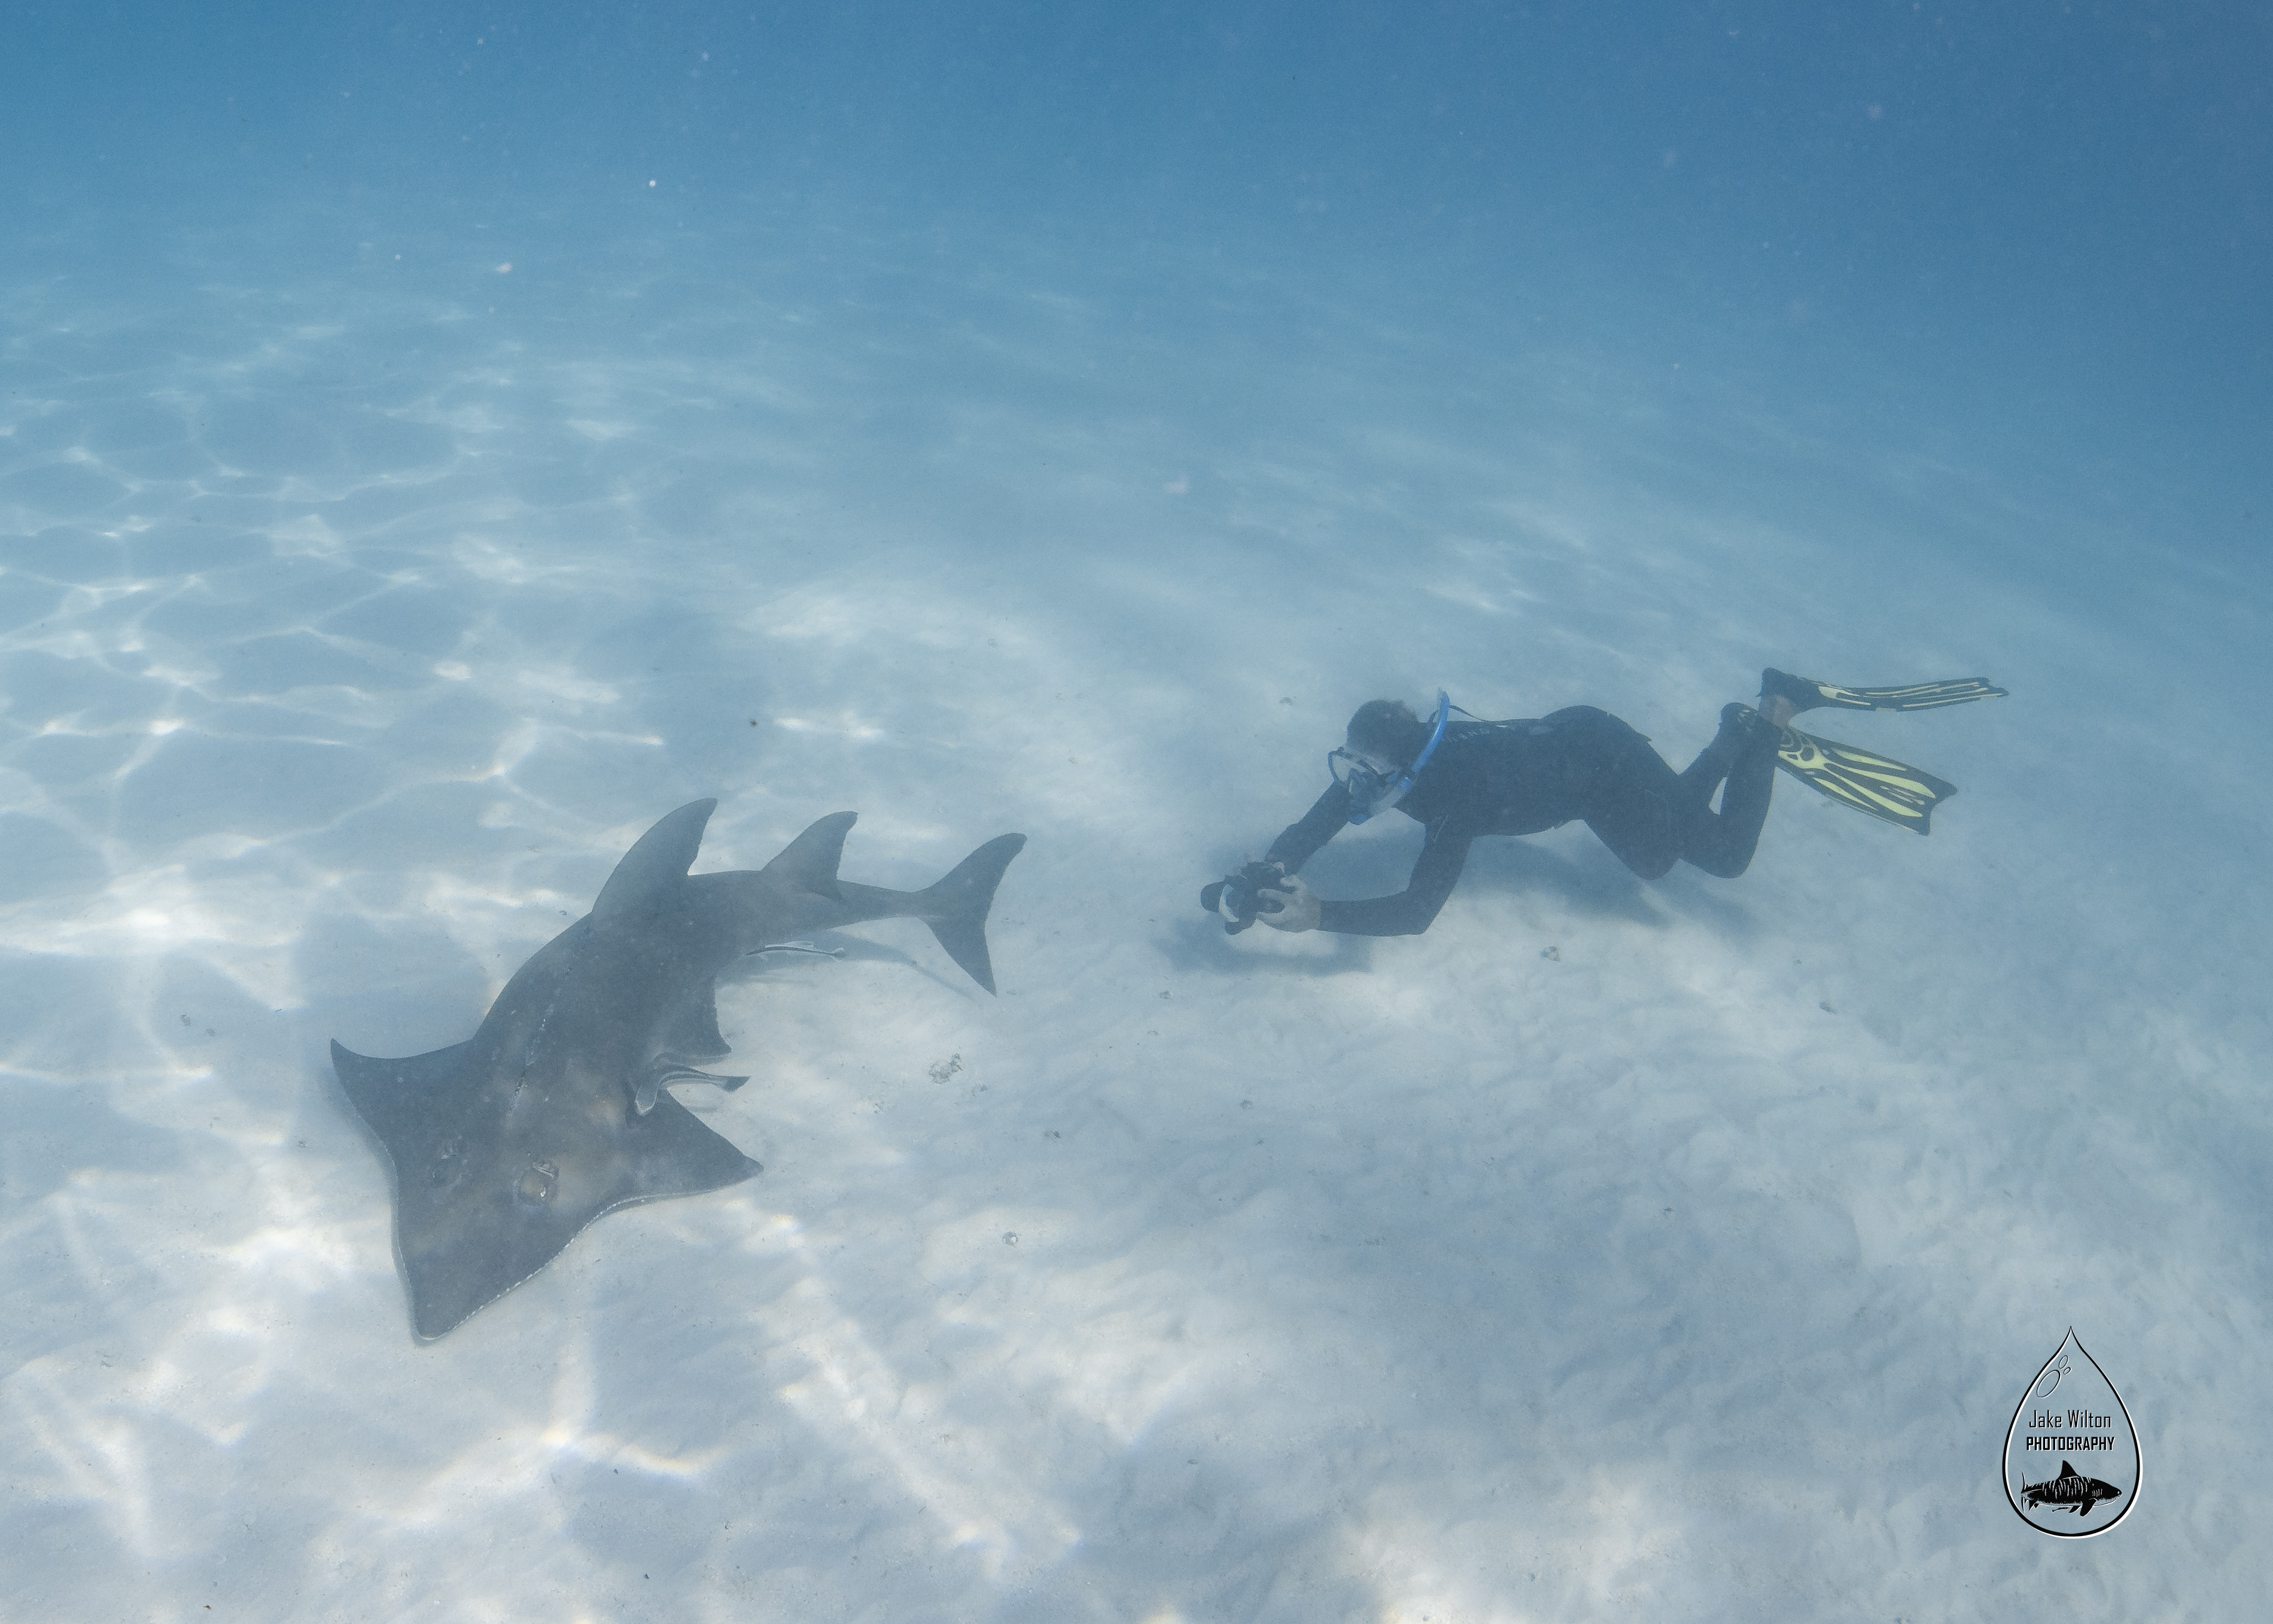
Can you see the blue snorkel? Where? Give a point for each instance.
(1369, 792)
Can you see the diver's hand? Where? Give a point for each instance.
(1297, 909)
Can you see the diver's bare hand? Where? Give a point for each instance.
(1297, 909)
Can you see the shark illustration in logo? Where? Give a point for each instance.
(2070, 1488)
(557, 1109)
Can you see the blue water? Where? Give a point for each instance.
(433, 445)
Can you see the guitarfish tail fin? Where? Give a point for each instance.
(956, 908)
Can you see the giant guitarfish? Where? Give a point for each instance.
(557, 1110)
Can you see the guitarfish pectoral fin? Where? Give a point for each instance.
(692, 1032)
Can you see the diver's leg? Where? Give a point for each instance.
(1704, 775)
(1741, 762)
(1631, 799)
(1741, 731)
(1639, 829)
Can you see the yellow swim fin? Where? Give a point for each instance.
(1863, 780)
(1806, 693)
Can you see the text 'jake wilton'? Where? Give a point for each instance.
(2076, 1419)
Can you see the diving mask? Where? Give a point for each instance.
(1374, 788)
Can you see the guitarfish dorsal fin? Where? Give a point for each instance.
(657, 862)
(809, 862)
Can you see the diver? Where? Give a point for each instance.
(1464, 778)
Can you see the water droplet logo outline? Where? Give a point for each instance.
(2069, 1491)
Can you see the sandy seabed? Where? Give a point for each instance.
(1672, 1251)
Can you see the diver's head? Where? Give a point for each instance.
(1388, 747)
(1387, 731)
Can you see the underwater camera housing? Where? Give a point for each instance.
(1239, 896)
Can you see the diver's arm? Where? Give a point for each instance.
(1412, 910)
(1298, 842)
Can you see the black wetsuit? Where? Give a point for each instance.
(1520, 777)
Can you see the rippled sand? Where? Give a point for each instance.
(1675, 1249)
